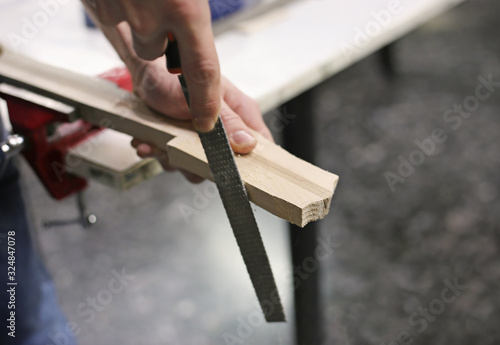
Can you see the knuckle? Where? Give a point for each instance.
(182, 11)
(206, 108)
(203, 72)
(231, 121)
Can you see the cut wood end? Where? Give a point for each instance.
(318, 209)
(315, 211)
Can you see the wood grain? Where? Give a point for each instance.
(275, 180)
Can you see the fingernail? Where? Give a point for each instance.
(242, 138)
(204, 125)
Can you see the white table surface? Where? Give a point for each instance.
(272, 59)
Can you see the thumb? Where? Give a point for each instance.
(240, 136)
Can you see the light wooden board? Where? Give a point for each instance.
(264, 57)
(276, 180)
(108, 158)
(302, 43)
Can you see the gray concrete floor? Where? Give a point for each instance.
(190, 285)
(396, 249)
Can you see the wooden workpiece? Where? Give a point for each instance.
(275, 180)
(98, 160)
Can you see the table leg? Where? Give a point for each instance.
(299, 140)
(386, 56)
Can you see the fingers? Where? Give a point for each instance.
(149, 47)
(190, 22)
(149, 35)
(247, 108)
(200, 67)
(160, 89)
(240, 137)
(145, 150)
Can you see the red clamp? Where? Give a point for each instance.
(49, 133)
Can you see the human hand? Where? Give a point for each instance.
(240, 115)
(189, 21)
(162, 91)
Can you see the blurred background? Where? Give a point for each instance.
(442, 222)
(399, 241)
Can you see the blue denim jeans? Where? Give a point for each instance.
(38, 317)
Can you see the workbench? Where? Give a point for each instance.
(277, 57)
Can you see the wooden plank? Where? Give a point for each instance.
(276, 180)
(98, 160)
